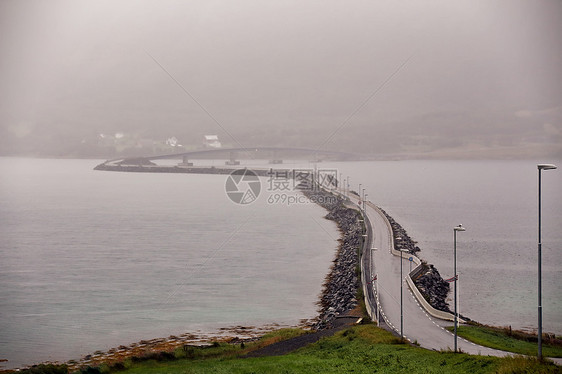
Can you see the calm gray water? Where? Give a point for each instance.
(91, 260)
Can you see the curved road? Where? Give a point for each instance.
(418, 326)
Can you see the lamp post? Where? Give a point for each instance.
(363, 199)
(377, 301)
(541, 167)
(340, 184)
(455, 229)
(401, 299)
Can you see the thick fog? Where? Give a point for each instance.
(424, 78)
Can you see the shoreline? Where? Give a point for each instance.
(235, 334)
(244, 334)
(173, 341)
(335, 298)
(232, 334)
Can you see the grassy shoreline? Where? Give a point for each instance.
(505, 339)
(359, 349)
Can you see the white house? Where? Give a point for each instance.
(212, 141)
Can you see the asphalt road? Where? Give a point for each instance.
(418, 326)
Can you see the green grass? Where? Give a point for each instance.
(500, 339)
(361, 349)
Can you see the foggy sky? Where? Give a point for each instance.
(457, 73)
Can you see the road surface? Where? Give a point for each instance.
(418, 326)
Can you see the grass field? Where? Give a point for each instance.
(360, 349)
(500, 339)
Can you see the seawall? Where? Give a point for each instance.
(342, 282)
(175, 169)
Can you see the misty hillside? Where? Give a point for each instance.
(463, 79)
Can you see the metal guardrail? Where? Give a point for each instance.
(417, 294)
(371, 299)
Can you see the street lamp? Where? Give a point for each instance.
(541, 167)
(401, 299)
(340, 182)
(362, 193)
(455, 229)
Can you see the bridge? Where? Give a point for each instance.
(274, 154)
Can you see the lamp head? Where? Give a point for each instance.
(459, 228)
(546, 166)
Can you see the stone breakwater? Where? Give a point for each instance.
(176, 169)
(428, 280)
(401, 239)
(432, 287)
(343, 281)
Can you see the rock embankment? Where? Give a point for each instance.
(428, 280)
(401, 239)
(341, 285)
(433, 287)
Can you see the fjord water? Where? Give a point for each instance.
(91, 260)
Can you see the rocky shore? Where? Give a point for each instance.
(401, 239)
(158, 348)
(343, 281)
(430, 283)
(433, 288)
(340, 288)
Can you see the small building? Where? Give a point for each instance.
(212, 141)
(172, 142)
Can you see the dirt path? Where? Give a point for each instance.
(290, 345)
